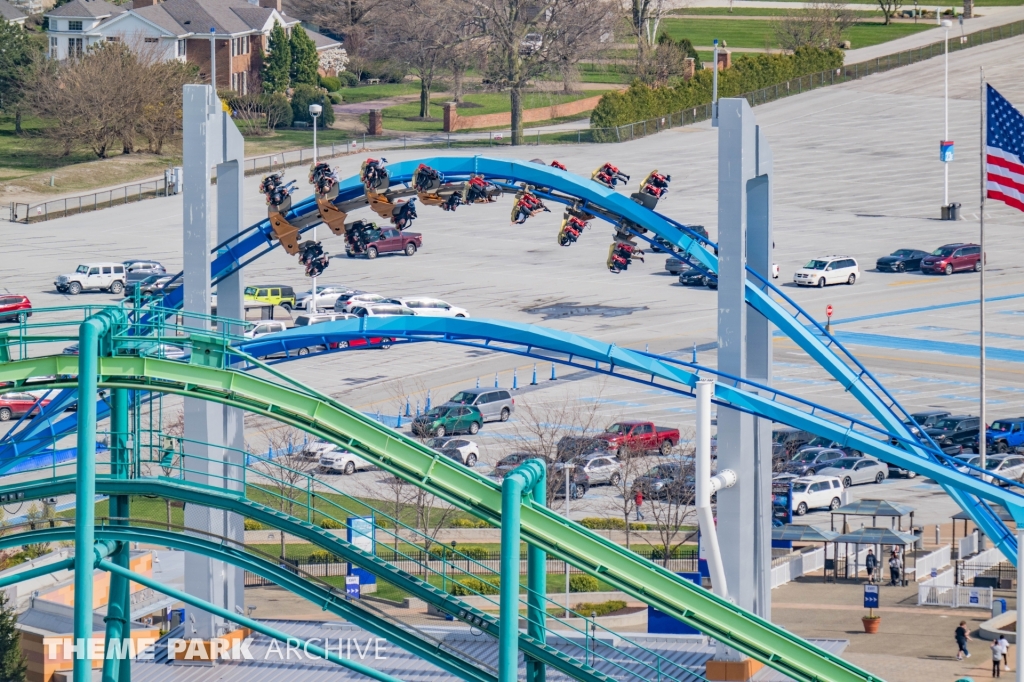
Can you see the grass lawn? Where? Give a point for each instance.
(755, 12)
(281, 140)
(487, 103)
(555, 586)
(365, 93)
(760, 34)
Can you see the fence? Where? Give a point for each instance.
(967, 545)
(61, 208)
(955, 596)
(936, 560)
(968, 569)
(793, 566)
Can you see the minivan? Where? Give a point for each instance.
(493, 403)
(952, 258)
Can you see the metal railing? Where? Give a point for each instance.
(17, 212)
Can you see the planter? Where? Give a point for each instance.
(871, 624)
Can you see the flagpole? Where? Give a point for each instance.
(983, 426)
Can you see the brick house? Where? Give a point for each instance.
(179, 29)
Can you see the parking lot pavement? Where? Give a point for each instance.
(855, 173)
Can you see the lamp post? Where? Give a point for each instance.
(314, 110)
(946, 156)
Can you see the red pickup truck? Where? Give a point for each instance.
(637, 437)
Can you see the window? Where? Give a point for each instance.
(837, 484)
(181, 49)
(53, 47)
(75, 46)
(106, 270)
(151, 40)
(972, 250)
(113, 39)
(642, 429)
(74, 25)
(118, 269)
(94, 271)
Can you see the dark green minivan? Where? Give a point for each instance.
(446, 420)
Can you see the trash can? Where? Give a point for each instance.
(918, 532)
(998, 607)
(951, 212)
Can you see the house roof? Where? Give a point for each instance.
(321, 41)
(86, 9)
(199, 16)
(11, 13)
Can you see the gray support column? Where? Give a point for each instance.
(744, 350)
(230, 199)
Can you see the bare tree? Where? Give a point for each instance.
(821, 25)
(285, 477)
(889, 8)
(671, 508)
(349, 18)
(626, 490)
(644, 18)
(528, 39)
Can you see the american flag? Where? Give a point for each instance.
(1004, 153)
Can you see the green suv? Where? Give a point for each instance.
(446, 420)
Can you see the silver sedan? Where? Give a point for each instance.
(855, 470)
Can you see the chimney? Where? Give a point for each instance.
(136, 4)
(271, 4)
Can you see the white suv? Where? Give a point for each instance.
(338, 461)
(828, 270)
(431, 307)
(816, 492)
(100, 276)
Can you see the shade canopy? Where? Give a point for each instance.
(1003, 514)
(796, 533)
(874, 508)
(877, 536)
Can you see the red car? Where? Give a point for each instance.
(392, 241)
(13, 306)
(637, 437)
(17, 404)
(382, 342)
(953, 258)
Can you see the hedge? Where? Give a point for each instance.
(599, 523)
(581, 582)
(641, 102)
(471, 586)
(600, 608)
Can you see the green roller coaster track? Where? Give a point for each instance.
(423, 467)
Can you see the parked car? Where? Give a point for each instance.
(791, 439)
(161, 286)
(14, 306)
(360, 298)
(16, 404)
(953, 258)
(674, 266)
(391, 241)
(662, 244)
(493, 403)
(343, 298)
(695, 278)
(263, 328)
(828, 270)
(973, 460)
(274, 294)
(319, 318)
(92, 277)
(822, 442)
(467, 452)
(637, 437)
(326, 295)
(142, 284)
(927, 419)
(380, 310)
(144, 267)
(856, 470)
(1005, 435)
(509, 462)
(570, 447)
(810, 461)
(668, 481)
(339, 461)
(600, 468)
(444, 419)
(901, 260)
(955, 433)
(315, 448)
(382, 342)
(816, 492)
(579, 484)
(1006, 466)
(430, 307)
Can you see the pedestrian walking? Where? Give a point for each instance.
(871, 563)
(962, 637)
(1005, 645)
(638, 500)
(895, 567)
(997, 658)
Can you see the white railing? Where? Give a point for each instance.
(967, 545)
(945, 579)
(937, 560)
(954, 596)
(813, 560)
(796, 565)
(979, 563)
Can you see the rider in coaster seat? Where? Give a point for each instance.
(571, 229)
(656, 184)
(313, 256)
(372, 172)
(621, 255)
(559, 165)
(426, 179)
(404, 214)
(276, 190)
(609, 176)
(526, 206)
(323, 178)
(478, 191)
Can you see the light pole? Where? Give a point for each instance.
(946, 156)
(314, 110)
(567, 472)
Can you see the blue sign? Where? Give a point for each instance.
(362, 534)
(352, 586)
(946, 151)
(871, 596)
(974, 598)
(664, 624)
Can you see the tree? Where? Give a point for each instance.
(644, 18)
(528, 40)
(303, 96)
(286, 477)
(821, 25)
(17, 57)
(305, 60)
(889, 8)
(277, 66)
(12, 661)
(339, 17)
(673, 507)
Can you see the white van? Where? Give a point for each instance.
(828, 270)
(816, 492)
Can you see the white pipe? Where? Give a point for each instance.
(707, 485)
(1020, 599)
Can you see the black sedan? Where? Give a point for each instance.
(695, 278)
(901, 260)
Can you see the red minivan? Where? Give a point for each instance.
(13, 306)
(952, 258)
